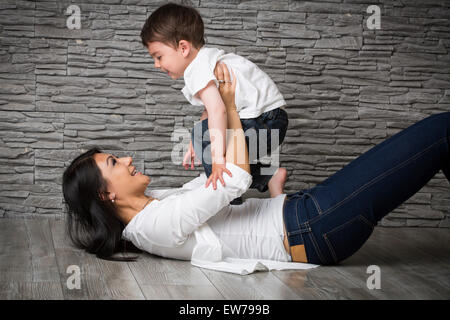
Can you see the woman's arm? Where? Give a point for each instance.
(204, 115)
(236, 150)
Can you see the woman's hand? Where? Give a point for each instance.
(227, 92)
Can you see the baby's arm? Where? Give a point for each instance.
(189, 156)
(217, 123)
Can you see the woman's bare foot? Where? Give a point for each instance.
(276, 183)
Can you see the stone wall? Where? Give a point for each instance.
(347, 88)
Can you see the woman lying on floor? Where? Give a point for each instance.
(319, 226)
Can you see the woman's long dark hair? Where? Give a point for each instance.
(92, 221)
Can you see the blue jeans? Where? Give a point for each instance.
(267, 122)
(336, 217)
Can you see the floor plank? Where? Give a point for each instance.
(28, 268)
(43, 258)
(100, 279)
(15, 257)
(405, 270)
(161, 278)
(257, 286)
(16, 290)
(35, 254)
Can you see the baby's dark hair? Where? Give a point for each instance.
(171, 23)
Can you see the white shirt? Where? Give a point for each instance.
(256, 92)
(198, 224)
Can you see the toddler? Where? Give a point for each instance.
(174, 37)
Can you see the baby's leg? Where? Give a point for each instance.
(276, 183)
(261, 133)
(268, 122)
(202, 147)
(201, 142)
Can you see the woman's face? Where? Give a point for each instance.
(122, 177)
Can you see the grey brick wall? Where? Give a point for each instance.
(347, 88)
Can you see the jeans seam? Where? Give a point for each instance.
(316, 247)
(296, 214)
(384, 174)
(366, 221)
(330, 247)
(300, 230)
(316, 203)
(298, 222)
(329, 244)
(358, 217)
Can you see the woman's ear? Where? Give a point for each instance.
(107, 196)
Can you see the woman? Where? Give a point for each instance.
(322, 225)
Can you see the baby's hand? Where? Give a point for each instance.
(217, 171)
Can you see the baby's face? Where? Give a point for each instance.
(168, 59)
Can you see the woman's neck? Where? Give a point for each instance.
(129, 208)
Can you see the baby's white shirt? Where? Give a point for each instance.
(256, 92)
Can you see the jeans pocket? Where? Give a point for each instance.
(344, 240)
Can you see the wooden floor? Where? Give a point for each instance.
(35, 255)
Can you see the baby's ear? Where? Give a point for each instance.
(185, 47)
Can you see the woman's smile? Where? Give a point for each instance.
(118, 171)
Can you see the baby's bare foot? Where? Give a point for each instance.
(276, 183)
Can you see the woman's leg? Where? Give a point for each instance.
(338, 215)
